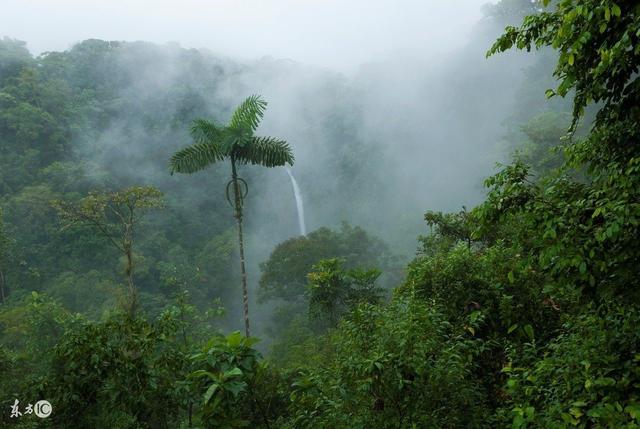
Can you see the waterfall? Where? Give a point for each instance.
(300, 207)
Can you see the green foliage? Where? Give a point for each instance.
(248, 115)
(14, 55)
(597, 56)
(236, 141)
(122, 372)
(297, 344)
(115, 216)
(580, 224)
(5, 246)
(88, 293)
(402, 365)
(112, 214)
(315, 280)
(578, 233)
(38, 322)
(586, 377)
(449, 228)
(28, 332)
(284, 274)
(542, 149)
(233, 380)
(334, 291)
(195, 158)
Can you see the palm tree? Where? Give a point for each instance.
(236, 142)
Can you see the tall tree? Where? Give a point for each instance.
(238, 143)
(114, 215)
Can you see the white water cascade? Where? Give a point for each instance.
(299, 205)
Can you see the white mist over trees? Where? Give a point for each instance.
(329, 33)
(418, 130)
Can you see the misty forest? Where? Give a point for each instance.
(189, 240)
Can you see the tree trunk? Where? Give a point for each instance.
(2, 286)
(238, 215)
(132, 289)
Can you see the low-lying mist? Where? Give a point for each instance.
(376, 148)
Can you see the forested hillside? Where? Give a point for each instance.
(127, 170)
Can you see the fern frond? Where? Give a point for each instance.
(265, 151)
(204, 131)
(248, 115)
(195, 158)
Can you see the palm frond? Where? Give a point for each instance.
(204, 131)
(248, 115)
(195, 158)
(265, 151)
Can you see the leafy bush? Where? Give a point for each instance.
(239, 391)
(334, 291)
(401, 365)
(588, 377)
(122, 372)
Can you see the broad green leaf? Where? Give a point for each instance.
(583, 267)
(633, 410)
(235, 387)
(235, 339)
(233, 373)
(615, 10)
(209, 393)
(528, 329)
(203, 373)
(604, 381)
(576, 412)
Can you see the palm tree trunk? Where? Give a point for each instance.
(238, 215)
(2, 286)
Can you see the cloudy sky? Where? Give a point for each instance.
(339, 34)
